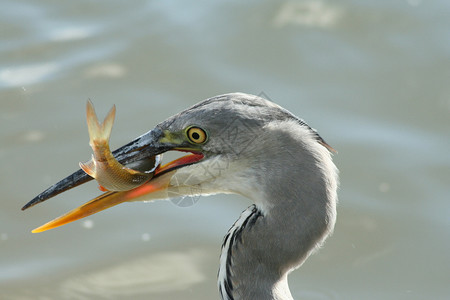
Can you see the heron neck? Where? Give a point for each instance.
(277, 234)
(241, 274)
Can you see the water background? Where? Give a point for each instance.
(373, 77)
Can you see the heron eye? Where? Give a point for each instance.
(197, 135)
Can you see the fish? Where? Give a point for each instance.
(103, 166)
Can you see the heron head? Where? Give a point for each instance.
(230, 141)
(220, 139)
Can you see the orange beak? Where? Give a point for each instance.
(154, 189)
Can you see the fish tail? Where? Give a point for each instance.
(88, 167)
(97, 130)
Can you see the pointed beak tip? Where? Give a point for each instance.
(39, 229)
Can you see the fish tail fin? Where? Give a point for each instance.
(97, 130)
(88, 167)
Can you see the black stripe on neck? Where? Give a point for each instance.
(234, 236)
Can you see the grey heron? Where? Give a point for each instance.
(243, 144)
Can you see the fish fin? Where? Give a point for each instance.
(103, 189)
(97, 130)
(108, 123)
(88, 167)
(94, 126)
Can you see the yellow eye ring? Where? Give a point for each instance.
(196, 135)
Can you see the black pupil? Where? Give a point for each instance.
(195, 135)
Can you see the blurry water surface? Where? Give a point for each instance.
(373, 77)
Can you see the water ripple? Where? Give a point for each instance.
(28, 74)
